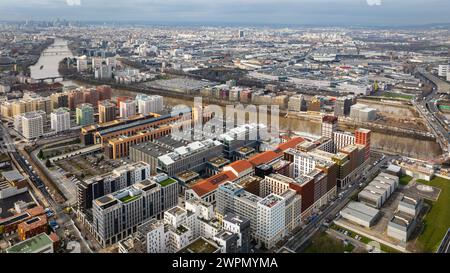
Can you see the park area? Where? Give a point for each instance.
(437, 221)
(405, 179)
(324, 243)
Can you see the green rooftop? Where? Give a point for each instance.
(167, 182)
(199, 246)
(32, 245)
(129, 198)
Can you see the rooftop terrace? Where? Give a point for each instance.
(200, 245)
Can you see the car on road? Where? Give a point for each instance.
(53, 225)
(49, 212)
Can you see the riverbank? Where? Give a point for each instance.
(48, 64)
(391, 141)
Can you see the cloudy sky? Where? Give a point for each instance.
(310, 12)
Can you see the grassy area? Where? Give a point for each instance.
(404, 180)
(129, 198)
(323, 243)
(397, 96)
(199, 246)
(167, 182)
(365, 240)
(437, 221)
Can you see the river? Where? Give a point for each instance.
(406, 146)
(48, 64)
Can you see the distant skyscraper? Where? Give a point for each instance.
(241, 34)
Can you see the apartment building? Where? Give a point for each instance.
(98, 186)
(149, 104)
(193, 156)
(267, 215)
(60, 120)
(127, 108)
(106, 111)
(85, 114)
(30, 124)
(118, 215)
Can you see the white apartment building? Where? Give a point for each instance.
(190, 157)
(270, 217)
(295, 103)
(127, 108)
(96, 63)
(343, 139)
(155, 236)
(149, 104)
(329, 126)
(82, 64)
(443, 70)
(32, 124)
(271, 220)
(60, 120)
(180, 227)
(304, 163)
(103, 72)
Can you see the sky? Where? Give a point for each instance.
(293, 12)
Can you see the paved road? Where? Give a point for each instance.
(300, 238)
(66, 187)
(342, 237)
(63, 220)
(427, 107)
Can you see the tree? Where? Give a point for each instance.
(41, 154)
(48, 164)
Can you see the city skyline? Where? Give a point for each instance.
(264, 127)
(255, 12)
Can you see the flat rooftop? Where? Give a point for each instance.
(218, 162)
(235, 219)
(200, 245)
(152, 118)
(152, 149)
(176, 211)
(31, 245)
(8, 203)
(271, 200)
(167, 182)
(186, 176)
(13, 175)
